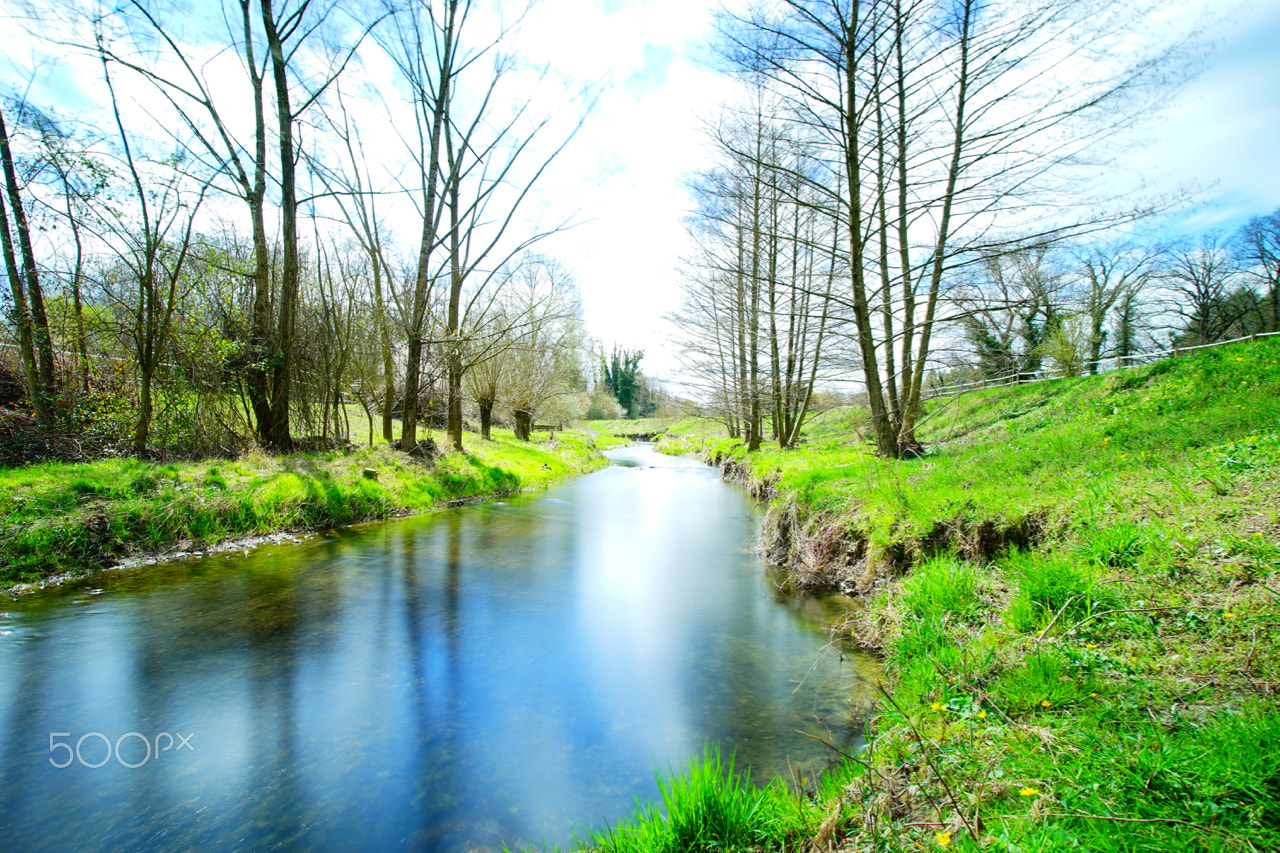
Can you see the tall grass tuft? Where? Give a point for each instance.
(1116, 546)
(942, 585)
(1051, 585)
(709, 807)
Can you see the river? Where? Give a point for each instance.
(512, 671)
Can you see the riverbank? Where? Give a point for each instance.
(64, 520)
(1075, 595)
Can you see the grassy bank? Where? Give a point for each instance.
(76, 518)
(1075, 593)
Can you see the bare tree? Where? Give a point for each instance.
(1010, 307)
(1199, 278)
(154, 246)
(1111, 277)
(543, 358)
(75, 179)
(351, 188)
(942, 123)
(277, 38)
(474, 181)
(1258, 246)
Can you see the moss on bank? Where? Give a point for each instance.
(1076, 595)
(77, 518)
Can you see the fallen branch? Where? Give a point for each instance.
(1055, 618)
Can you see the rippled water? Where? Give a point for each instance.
(511, 671)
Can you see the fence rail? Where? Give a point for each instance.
(1117, 363)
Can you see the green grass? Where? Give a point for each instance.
(709, 807)
(675, 436)
(1076, 594)
(72, 518)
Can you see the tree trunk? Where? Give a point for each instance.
(882, 231)
(454, 332)
(22, 318)
(524, 424)
(412, 388)
(281, 376)
(755, 416)
(904, 245)
(886, 440)
(422, 285)
(906, 439)
(142, 429)
(384, 339)
(41, 340)
(740, 310)
(257, 381)
(77, 276)
(486, 417)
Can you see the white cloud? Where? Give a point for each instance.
(1220, 132)
(624, 170)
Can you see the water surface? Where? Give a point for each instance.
(509, 671)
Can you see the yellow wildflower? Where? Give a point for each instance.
(1045, 703)
(1090, 645)
(937, 706)
(1028, 792)
(1228, 615)
(943, 839)
(982, 715)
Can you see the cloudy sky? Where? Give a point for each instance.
(621, 176)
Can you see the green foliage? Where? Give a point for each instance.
(620, 373)
(924, 643)
(1210, 784)
(1044, 681)
(1075, 595)
(1115, 546)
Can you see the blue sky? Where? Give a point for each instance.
(1217, 139)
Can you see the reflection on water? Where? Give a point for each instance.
(501, 672)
